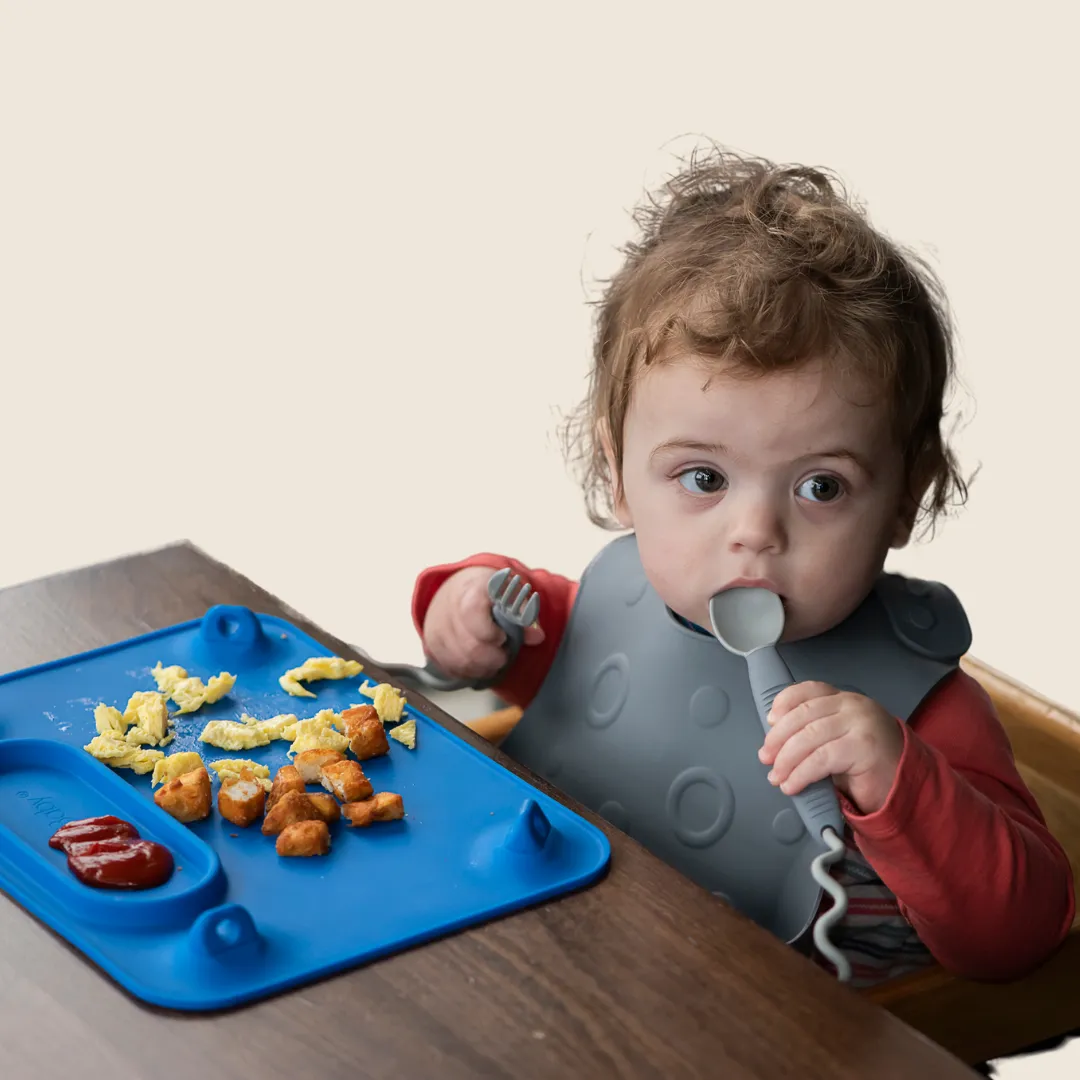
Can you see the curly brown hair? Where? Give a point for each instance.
(767, 267)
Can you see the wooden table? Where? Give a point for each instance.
(644, 975)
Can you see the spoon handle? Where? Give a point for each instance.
(817, 803)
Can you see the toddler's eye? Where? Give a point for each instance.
(821, 489)
(702, 481)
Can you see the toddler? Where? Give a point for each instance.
(765, 408)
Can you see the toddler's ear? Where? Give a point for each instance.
(907, 513)
(618, 496)
(901, 534)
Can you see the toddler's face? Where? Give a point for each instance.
(777, 480)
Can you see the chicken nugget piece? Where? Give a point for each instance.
(231, 768)
(367, 736)
(293, 806)
(327, 806)
(241, 799)
(310, 763)
(187, 798)
(288, 778)
(357, 713)
(346, 780)
(385, 806)
(304, 838)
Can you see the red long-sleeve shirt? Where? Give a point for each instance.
(960, 841)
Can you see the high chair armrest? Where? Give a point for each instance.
(495, 726)
(979, 1021)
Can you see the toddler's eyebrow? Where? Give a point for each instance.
(688, 444)
(844, 454)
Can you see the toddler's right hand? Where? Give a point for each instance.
(460, 634)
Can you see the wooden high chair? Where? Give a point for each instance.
(977, 1021)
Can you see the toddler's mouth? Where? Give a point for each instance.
(755, 583)
(751, 583)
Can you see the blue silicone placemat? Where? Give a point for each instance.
(238, 922)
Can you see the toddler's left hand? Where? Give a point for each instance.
(819, 731)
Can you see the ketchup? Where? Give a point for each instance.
(107, 853)
(94, 828)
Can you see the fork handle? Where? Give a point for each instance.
(428, 677)
(515, 636)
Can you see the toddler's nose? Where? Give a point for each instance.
(755, 526)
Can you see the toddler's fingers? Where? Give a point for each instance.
(533, 635)
(482, 661)
(475, 620)
(465, 657)
(476, 656)
(816, 738)
(826, 761)
(812, 712)
(793, 696)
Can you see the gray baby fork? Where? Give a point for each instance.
(749, 622)
(514, 607)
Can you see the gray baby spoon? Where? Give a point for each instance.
(749, 623)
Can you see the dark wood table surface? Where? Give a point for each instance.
(643, 975)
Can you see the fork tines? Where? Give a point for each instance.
(518, 602)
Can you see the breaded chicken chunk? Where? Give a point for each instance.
(358, 714)
(288, 778)
(187, 797)
(327, 806)
(346, 780)
(304, 838)
(293, 806)
(367, 736)
(241, 799)
(310, 763)
(386, 806)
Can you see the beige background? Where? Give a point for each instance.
(306, 283)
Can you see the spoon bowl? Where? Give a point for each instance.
(746, 619)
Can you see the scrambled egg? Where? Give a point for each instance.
(147, 716)
(275, 727)
(114, 751)
(167, 678)
(318, 733)
(189, 693)
(388, 702)
(247, 733)
(405, 734)
(144, 721)
(231, 768)
(318, 667)
(234, 735)
(174, 766)
(109, 721)
(138, 736)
